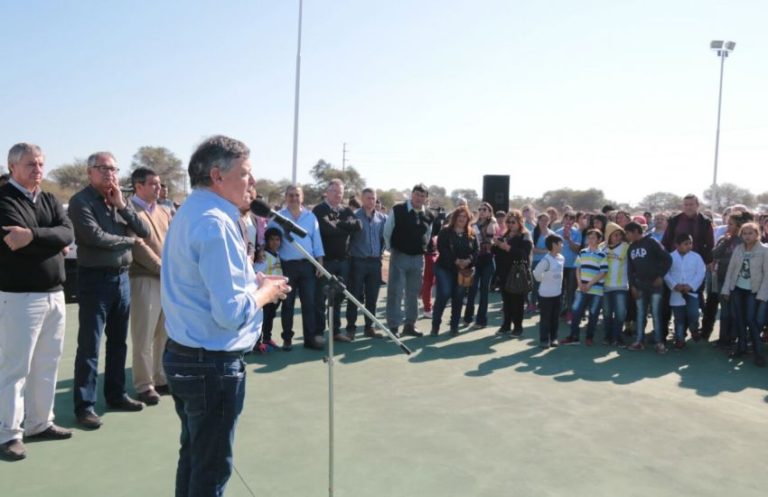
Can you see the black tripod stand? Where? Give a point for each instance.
(336, 290)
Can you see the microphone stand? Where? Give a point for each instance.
(335, 289)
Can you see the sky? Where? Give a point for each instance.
(619, 95)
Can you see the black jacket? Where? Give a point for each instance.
(38, 267)
(336, 226)
(452, 246)
(647, 261)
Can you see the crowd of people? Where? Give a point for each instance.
(205, 284)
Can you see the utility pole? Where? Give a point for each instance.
(296, 101)
(344, 158)
(723, 49)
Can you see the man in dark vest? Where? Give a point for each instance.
(406, 234)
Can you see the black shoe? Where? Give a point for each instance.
(126, 404)
(503, 331)
(315, 343)
(162, 389)
(434, 331)
(454, 330)
(150, 397)
(287, 345)
(517, 333)
(53, 432)
(759, 360)
(410, 330)
(89, 420)
(371, 333)
(13, 450)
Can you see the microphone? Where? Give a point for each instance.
(261, 209)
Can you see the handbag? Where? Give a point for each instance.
(519, 279)
(466, 276)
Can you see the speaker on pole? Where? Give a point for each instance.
(496, 191)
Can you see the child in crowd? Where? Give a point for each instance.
(616, 284)
(684, 279)
(549, 274)
(268, 263)
(648, 263)
(746, 287)
(591, 268)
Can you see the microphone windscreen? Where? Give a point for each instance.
(260, 208)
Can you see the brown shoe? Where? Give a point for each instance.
(53, 432)
(13, 450)
(126, 404)
(150, 397)
(371, 333)
(89, 420)
(339, 337)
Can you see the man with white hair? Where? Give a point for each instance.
(35, 232)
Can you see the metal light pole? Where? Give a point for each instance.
(723, 48)
(296, 100)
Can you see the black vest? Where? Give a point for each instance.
(412, 230)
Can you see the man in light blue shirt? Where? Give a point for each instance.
(300, 272)
(571, 246)
(366, 248)
(213, 301)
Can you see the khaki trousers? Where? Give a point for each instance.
(148, 334)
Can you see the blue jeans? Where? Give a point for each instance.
(301, 277)
(208, 392)
(481, 282)
(644, 299)
(340, 269)
(447, 287)
(686, 316)
(404, 285)
(366, 281)
(582, 302)
(105, 303)
(614, 313)
(749, 315)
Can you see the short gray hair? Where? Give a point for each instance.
(19, 150)
(334, 182)
(217, 151)
(94, 157)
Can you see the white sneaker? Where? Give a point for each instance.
(427, 315)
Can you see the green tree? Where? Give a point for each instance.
(661, 201)
(62, 194)
(728, 194)
(582, 200)
(323, 172)
(438, 197)
(72, 176)
(389, 197)
(471, 196)
(518, 202)
(166, 165)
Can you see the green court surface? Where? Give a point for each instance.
(466, 416)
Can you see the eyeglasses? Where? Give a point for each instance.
(483, 209)
(107, 169)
